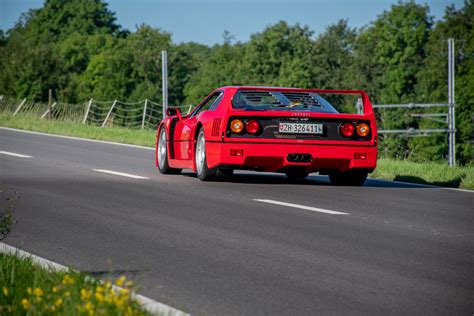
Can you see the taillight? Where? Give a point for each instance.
(236, 126)
(362, 129)
(252, 126)
(347, 129)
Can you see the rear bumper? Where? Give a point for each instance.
(274, 157)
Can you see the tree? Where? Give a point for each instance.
(433, 85)
(389, 54)
(279, 56)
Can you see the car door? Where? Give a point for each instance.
(184, 129)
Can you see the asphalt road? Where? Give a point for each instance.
(209, 248)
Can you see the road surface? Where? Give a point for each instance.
(258, 245)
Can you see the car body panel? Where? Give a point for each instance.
(268, 154)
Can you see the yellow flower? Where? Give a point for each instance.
(68, 280)
(124, 291)
(53, 308)
(99, 297)
(67, 294)
(85, 294)
(38, 291)
(5, 291)
(38, 299)
(26, 304)
(99, 289)
(89, 306)
(128, 283)
(119, 302)
(55, 289)
(29, 290)
(58, 302)
(129, 311)
(108, 285)
(120, 280)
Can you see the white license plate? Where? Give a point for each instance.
(300, 128)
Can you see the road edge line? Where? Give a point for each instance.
(76, 138)
(151, 148)
(147, 303)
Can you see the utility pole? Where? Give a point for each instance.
(164, 69)
(451, 114)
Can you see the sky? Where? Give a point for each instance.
(205, 21)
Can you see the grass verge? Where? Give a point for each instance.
(115, 134)
(425, 173)
(399, 170)
(27, 289)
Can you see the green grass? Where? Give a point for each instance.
(400, 170)
(27, 289)
(425, 173)
(115, 134)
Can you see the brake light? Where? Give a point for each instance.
(347, 129)
(236, 126)
(252, 126)
(362, 129)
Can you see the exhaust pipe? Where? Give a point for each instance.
(299, 158)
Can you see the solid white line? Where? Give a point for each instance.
(14, 154)
(150, 305)
(128, 175)
(77, 138)
(303, 207)
(151, 148)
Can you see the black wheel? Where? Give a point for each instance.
(296, 175)
(162, 155)
(349, 178)
(203, 172)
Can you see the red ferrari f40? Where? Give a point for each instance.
(285, 130)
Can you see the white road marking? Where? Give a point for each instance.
(120, 174)
(150, 305)
(14, 154)
(77, 138)
(152, 148)
(303, 207)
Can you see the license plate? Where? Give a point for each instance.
(300, 128)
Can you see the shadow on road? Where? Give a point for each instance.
(279, 179)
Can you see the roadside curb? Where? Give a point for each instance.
(152, 306)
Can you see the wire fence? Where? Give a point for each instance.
(145, 114)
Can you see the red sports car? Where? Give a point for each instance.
(286, 130)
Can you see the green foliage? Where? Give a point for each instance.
(77, 49)
(28, 289)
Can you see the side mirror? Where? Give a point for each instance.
(173, 111)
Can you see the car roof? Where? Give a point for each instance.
(267, 88)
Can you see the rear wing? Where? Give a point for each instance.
(345, 101)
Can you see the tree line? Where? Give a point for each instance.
(78, 49)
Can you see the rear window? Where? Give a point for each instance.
(284, 101)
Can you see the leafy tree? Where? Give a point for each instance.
(221, 68)
(433, 84)
(389, 54)
(280, 56)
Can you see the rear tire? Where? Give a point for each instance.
(162, 155)
(352, 177)
(202, 171)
